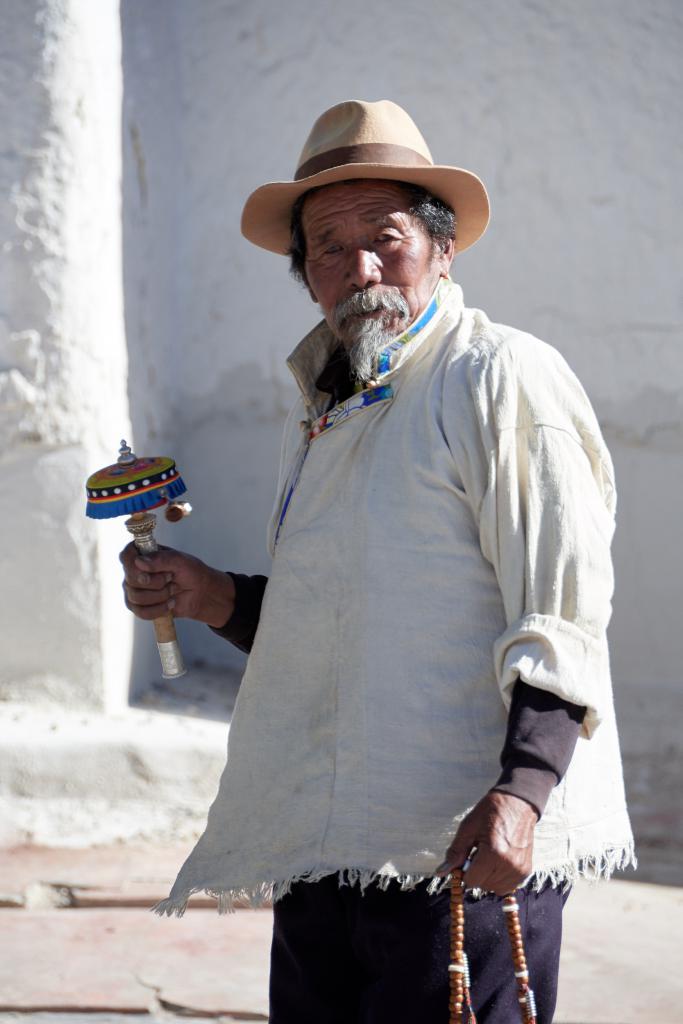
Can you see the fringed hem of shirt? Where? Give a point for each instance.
(594, 867)
(591, 867)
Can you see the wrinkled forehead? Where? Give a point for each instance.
(365, 200)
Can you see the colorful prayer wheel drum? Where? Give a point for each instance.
(132, 485)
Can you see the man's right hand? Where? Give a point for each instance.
(171, 581)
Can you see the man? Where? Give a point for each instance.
(438, 601)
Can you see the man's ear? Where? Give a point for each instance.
(445, 251)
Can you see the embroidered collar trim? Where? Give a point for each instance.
(388, 356)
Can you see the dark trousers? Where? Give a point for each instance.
(339, 957)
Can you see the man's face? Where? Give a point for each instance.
(369, 263)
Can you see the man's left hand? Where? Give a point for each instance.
(501, 826)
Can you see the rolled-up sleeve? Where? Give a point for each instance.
(541, 480)
(546, 529)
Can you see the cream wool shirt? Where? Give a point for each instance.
(435, 537)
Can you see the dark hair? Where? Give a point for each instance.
(436, 217)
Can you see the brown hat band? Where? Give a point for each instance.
(363, 153)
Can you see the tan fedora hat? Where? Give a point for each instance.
(356, 139)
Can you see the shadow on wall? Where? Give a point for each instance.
(144, 267)
(189, 394)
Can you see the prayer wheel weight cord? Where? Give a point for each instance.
(460, 1003)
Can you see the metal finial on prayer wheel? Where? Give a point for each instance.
(132, 487)
(126, 456)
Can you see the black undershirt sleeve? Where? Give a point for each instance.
(541, 736)
(240, 629)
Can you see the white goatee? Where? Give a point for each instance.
(365, 336)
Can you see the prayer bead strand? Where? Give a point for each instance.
(459, 975)
(527, 1003)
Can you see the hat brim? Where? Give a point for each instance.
(267, 212)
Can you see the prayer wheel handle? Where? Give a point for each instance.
(141, 526)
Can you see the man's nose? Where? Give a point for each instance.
(364, 268)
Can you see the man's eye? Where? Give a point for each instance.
(332, 249)
(384, 239)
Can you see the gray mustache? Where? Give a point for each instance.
(370, 300)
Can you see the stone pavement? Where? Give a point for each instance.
(79, 946)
